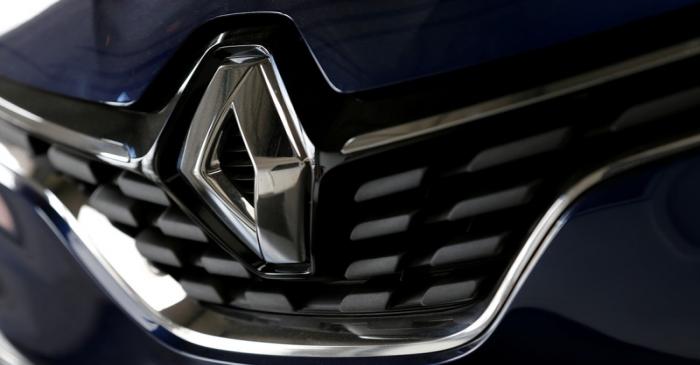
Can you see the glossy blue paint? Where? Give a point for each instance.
(111, 50)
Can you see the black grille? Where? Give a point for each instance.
(163, 233)
(430, 223)
(446, 214)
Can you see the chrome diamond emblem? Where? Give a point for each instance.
(248, 91)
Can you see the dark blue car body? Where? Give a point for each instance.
(617, 284)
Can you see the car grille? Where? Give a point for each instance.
(435, 221)
(427, 224)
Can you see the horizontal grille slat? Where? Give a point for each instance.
(220, 263)
(139, 188)
(490, 203)
(164, 250)
(365, 302)
(77, 167)
(658, 109)
(205, 289)
(467, 251)
(175, 223)
(516, 150)
(446, 293)
(390, 185)
(325, 303)
(381, 227)
(268, 301)
(109, 201)
(367, 268)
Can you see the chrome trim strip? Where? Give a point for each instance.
(9, 354)
(105, 149)
(128, 143)
(183, 319)
(503, 104)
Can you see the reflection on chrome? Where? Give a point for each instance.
(9, 355)
(158, 290)
(9, 161)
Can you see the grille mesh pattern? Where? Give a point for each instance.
(448, 213)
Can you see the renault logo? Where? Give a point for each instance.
(248, 91)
